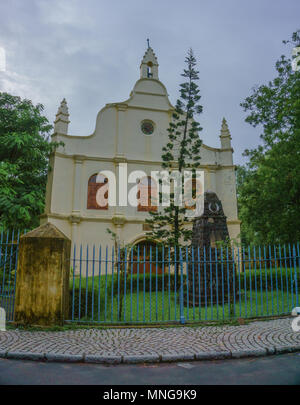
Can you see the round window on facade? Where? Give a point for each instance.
(147, 127)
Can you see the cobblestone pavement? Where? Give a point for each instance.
(134, 345)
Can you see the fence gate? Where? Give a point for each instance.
(9, 246)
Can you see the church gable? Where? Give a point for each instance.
(137, 127)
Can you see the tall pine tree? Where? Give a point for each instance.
(182, 151)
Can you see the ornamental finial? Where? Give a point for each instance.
(62, 118)
(225, 135)
(224, 128)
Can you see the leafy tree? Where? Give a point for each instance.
(182, 151)
(24, 153)
(269, 184)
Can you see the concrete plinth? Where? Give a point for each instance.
(42, 287)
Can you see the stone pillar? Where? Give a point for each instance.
(42, 287)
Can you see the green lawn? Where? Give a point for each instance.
(154, 306)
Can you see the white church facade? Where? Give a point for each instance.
(131, 132)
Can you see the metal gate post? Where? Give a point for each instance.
(182, 320)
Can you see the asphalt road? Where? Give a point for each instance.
(280, 370)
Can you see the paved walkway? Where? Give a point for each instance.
(137, 345)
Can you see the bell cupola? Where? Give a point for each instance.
(149, 65)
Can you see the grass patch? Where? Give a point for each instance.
(101, 300)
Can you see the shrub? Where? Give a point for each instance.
(283, 276)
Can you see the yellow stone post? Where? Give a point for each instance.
(42, 286)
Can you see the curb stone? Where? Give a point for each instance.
(91, 358)
(177, 357)
(271, 350)
(69, 358)
(3, 354)
(213, 355)
(25, 356)
(286, 349)
(237, 354)
(73, 358)
(151, 358)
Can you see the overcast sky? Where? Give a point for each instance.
(89, 52)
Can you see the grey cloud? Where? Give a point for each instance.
(89, 52)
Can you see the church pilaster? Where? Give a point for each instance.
(76, 210)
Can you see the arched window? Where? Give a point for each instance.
(93, 187)
(147, 194)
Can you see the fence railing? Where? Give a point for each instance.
(154, 284)
(9, 244)
(157, 284)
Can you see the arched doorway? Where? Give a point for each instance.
(146, 256)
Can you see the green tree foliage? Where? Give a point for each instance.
(24, 157)
(269, 184)
(181, 152)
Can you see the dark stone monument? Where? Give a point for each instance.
(210, 266)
